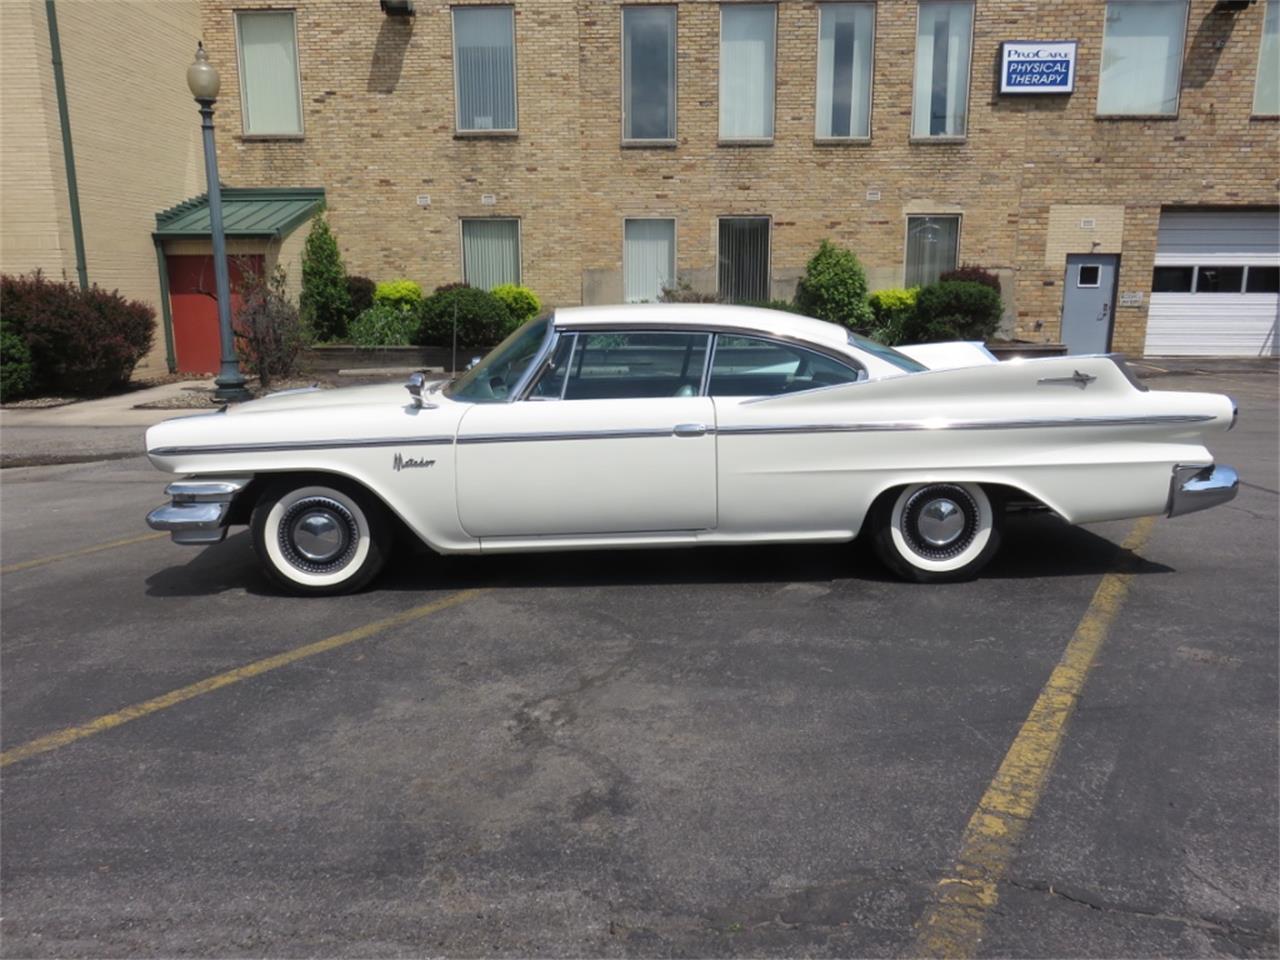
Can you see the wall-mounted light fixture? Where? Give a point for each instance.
(1232, 6)
(397, 8)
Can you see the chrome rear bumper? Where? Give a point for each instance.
(1200, 487)
(198, 513)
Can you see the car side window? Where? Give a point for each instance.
(753, 367)
(631, 364)
(550, 383)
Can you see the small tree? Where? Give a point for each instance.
(834, 288)
(325, 301)
(269, 332)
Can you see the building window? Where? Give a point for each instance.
(1216, 279)
(744, 259)
(747, 71)
(944, 34)
(1266, 94)
(1142, 58)
(270, 95)
(1262, 280)
(484, 68)
(490, 252)
(648, 73)
(845, 42)
(648, 259)
(933, 244)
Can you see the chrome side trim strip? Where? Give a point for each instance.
(289, 445)
(877, 426)
(638, 433)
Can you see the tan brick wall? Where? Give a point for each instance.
(134, 128)
(378, 105)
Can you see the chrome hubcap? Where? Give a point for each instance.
(318, 535)
(941, 522)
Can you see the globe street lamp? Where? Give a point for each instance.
(203, 80)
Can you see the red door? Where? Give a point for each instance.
(195, 308)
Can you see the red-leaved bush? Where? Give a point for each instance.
(83, 342)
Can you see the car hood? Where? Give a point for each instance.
(313, 398)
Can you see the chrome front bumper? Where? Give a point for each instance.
(1200, 487)
(198, 513)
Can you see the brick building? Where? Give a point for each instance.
(595, 150)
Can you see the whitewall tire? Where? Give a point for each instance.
(935, 532)
(319, 538)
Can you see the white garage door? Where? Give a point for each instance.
(1216, 287)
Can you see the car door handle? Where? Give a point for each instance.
(689, 429)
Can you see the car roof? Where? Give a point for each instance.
(704, 316)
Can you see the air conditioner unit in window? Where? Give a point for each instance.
(397, 8)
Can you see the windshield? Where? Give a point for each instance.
(493, 378)
(888, 354)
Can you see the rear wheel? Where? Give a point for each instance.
(936, 532)
(319, 538)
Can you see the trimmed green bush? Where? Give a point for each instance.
(974, 273)
(325, 303)
(385, 325)
(15, 367)
(483, 320)
(360, 293)
(785, 305)
(954, 310)
(397, 293)
(82, 342)
(684, 292)
(521, 301)
(834, 288)
(892, 310)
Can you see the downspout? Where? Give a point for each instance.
(166, 312)
(68, 154)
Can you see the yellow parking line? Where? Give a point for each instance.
(40, 562)
(954, 923)
(107, 721)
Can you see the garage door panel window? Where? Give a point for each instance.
(744, 259)
(484, 64)
(944, 32)
(933, 244)
(1215, 279)
(753, 367)
(270, 97)
(747, 71)
(1262, 280)
(636, 365)
(1173, 279)
(1142, 57)
(490, 252)
(845, 42)
(649, 73)
(1266, 94)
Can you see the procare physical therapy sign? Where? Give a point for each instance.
(1035, 66)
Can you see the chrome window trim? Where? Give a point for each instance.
(525, 384)
(621, 328)
(291, 445)
(843, 359)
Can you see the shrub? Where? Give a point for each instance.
(83, 342)
(521, 301)
(785, 305)
(954, 310)
(385, 325)
(360, 294)
(683, 292)
(834, 288)
(482, 318)
(15, 366)
(973, 274)
(398, 293)
(269, 331)
(325, 302)
(892, 311)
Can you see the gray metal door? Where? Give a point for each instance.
(1088, 302)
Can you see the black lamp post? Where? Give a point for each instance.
(203, 80)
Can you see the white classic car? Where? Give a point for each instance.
(678, 425)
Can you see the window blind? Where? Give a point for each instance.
(484, 62)
(744, 259)
(648, 259)
(844, 69)
(932, 244)
(490, 252)
(746, 71)
(269, 73)
(940, 99)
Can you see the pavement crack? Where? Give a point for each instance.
(1228, 929)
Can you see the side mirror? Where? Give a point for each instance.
(414, 385)
(474, 361)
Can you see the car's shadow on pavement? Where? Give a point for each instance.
(1035, 545)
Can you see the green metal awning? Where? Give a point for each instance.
(267, 212)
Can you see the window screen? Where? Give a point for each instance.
(269, 73)
(744, 259)
(649, 73)
(484, 63)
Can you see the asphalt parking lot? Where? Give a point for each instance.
(728, 752)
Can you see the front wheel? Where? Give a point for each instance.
(936, 532)
(319, 539)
